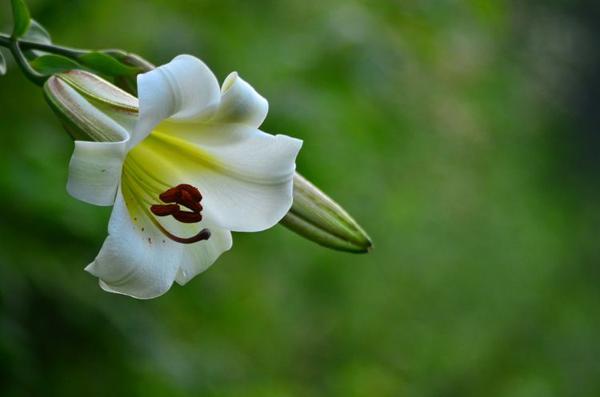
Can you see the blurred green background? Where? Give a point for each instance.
(463, 135)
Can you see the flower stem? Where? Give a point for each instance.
(51, 48)
(4, 40)
(15, 48)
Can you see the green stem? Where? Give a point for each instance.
(18, 46)
(51, 48)
(32, 75)
(4, 40)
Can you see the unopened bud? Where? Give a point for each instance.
(317, 217)
(91, 108)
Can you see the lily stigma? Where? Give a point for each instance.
(183, 166)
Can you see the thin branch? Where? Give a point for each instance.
(5, 41)
(35, 77)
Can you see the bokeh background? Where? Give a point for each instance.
(463, 135)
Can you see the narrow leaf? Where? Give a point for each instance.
(37, 33)
(106, 64)
(129, 82)
(51, 64)
(2, 65)
(131, 59)
(21, 18)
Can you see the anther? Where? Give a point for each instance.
(187, 200)
(196, 196)
(170, 196)
(187, 217)
(187, 196)
(174, 194)
(164, 209)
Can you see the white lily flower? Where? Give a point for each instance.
(182, 173)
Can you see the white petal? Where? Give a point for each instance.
(95, 171)
(138, 260)
(198, 257)
(133, 261)
(184, 89)
(244, 174)
(240, 103)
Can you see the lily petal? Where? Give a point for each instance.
(95, 171)
(198, 257)
(240, 103)
(244, 174)
(184, 89)
(103, 115)
(134, 260)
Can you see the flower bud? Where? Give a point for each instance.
(318, 218)
(90, 108)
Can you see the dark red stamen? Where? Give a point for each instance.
(196, 196)
(188, 201)
(204, 234)
(164, 209)
(171, 195)
(189, 197)
(187, 217)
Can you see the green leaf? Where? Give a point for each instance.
(2, 65)
(106, 64)
(51, 64)
(21, 18)
(37, 33)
